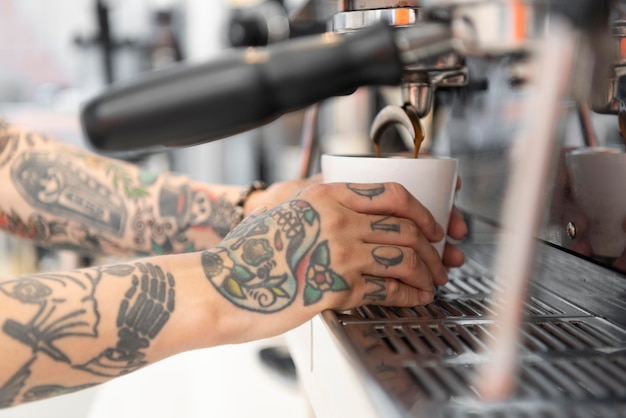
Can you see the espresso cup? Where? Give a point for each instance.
(430, 179)
(597, 182)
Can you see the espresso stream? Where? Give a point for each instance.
(417, 142)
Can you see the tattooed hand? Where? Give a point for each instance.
(333, 246)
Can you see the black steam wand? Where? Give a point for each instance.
(246, 88)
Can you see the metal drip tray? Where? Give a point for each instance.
(571, 362)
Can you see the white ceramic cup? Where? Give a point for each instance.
(597, 176)
(432, 180)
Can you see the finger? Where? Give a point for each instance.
(390, 230)
(458, 184)
(401, 263)
(457, 228)
(388, 199)
(391, 292)
(452, 256)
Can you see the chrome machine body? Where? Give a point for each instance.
(534, 323)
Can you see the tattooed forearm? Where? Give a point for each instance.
(66, 307)
(145, 309)
(246, 271)
(109, 206)
(60, 235)
(51, 182)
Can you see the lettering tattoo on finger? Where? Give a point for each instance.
(367, 190)
(379, 289)
(385, 224)
(387, 255)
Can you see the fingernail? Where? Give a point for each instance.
(425, 297)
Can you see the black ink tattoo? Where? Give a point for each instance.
(189, 209)
(379, 293)
(367, 190)
(48, 391)
(8, 146)
(11, 389)
(66, 308)
(59, 235)
(388, 256)
(384, 225)
(50, 181)
(145, 310)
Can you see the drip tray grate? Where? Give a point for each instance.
(570, 362)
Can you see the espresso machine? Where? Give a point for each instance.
(534, 322)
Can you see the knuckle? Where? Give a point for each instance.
(401, 295)
(340, 255)
(317, 190)
(398, 191)
(336, 221)
(413, 261)
(393, 289)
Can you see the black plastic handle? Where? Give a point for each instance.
(192, 104)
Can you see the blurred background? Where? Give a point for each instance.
(54, 55)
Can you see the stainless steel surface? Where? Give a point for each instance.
(358, 19)
(571, 360)
(344, 5)
(523, 205)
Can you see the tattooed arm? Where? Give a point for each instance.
(335, 246)
(66, 197)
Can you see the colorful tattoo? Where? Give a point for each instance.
(120, 176)
(59, 235)
(195, 208)
(13, 224)
(247, 272)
